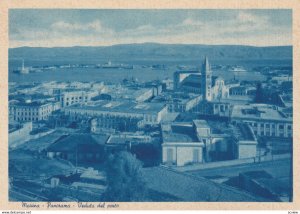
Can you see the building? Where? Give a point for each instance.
(214, 109)
(113, 114)
(180, 145)
(79, 148)
(32, 111)
(245, 142)
(263, 184)
(203, 141)
(242, 91)
(204, 83)
(180, 76)
(180, 186)
(134, 93)
(168, 84)
(179, 102)
(217, 138)
(72, 96)
(265, 120)
(111, 124)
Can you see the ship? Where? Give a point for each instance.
(110, 65)
(237, 69)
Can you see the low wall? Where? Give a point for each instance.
(235, 162)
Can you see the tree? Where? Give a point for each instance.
(259, 98)
(124, 178)
(148, 153)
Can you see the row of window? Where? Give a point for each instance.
(27, 118)
(272, 134)
(32, 113)
(268, 125)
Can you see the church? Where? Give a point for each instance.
(201, 82)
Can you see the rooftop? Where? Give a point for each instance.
(121, 106)
(42, 143)
(186, 72)
(32, 104)
(78, 141)
(117, 140)
(178, 97)
(194, 80)
(201, 124)
(257, 174)
(265, 112)
(176, 132)
(190, 188)
(243, 132)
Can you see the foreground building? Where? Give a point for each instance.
(187, 143)
(181, 145)
(79, 148)
(178, 186)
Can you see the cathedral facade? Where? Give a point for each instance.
(201, 82)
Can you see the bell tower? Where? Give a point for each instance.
(206, 80)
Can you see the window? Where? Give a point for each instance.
(170, 155)
(281, 126)
(222, 108)
(195, 155)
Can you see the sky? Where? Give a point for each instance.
(104, 27)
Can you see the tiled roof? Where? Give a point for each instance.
(190, 188)
(80, 142)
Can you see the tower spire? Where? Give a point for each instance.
(206, 65)
(206, 77)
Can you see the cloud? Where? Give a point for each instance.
(192, 22)
(66, 26)
(243, 28)
(248, 22)
(246, 17)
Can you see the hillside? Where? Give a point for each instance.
(155, 51)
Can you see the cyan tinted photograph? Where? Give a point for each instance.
(150, 105)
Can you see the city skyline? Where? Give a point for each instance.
(65, 28)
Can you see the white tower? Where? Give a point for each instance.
(24, 70)
(206, 80)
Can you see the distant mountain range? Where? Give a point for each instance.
(153, 51)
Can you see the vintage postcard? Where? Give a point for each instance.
(138, 105)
